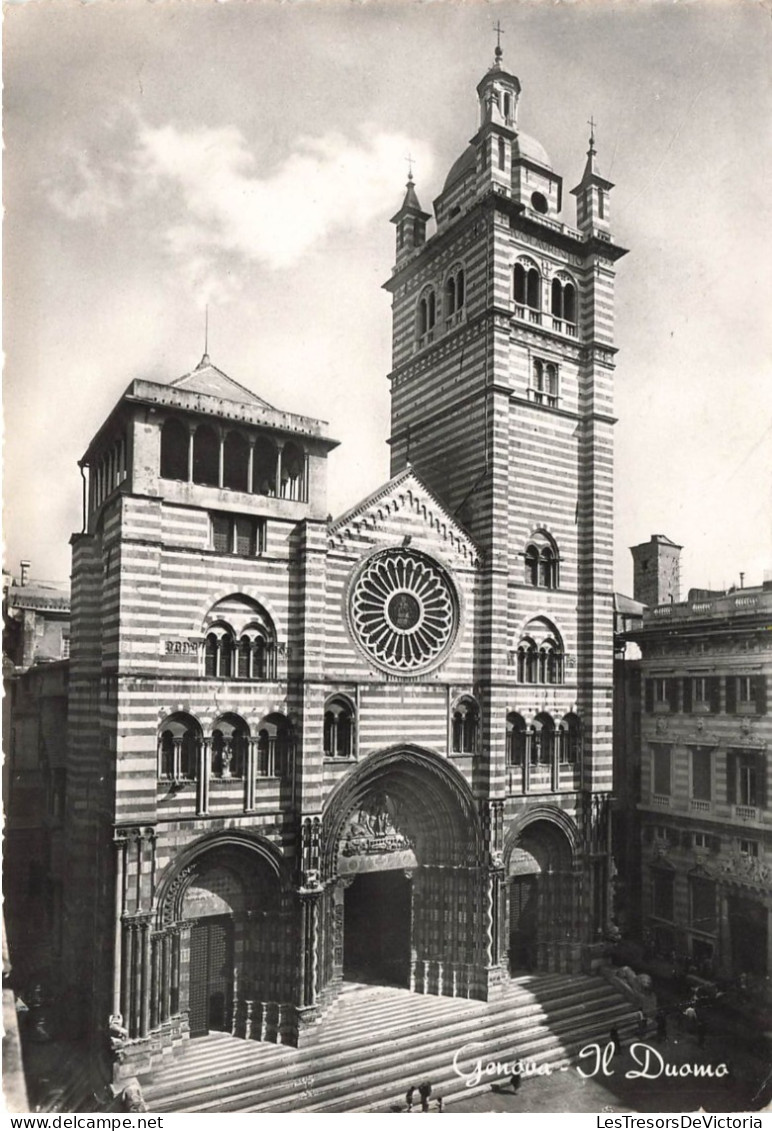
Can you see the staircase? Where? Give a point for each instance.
(375, 1041)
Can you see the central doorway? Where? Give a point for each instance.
(522, 923)
(376, 943)
(211, 975)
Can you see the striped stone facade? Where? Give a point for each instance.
(283, 728)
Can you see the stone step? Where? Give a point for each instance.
(237, 1074)
(397, 1017)
(219, 1073)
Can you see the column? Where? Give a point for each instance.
(221, 463)
(249, 776)
(527, 759)
(191, 446)
(308, 956)
(556, 742)
(174, 988)
(144, 1022)
(251, 466)
(120, 864)
(125, 1009)
(279, 448)
(176, 759)
(166, 976)
(202, 783)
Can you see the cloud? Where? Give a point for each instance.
(217, 212)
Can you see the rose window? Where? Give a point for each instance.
(403, 610)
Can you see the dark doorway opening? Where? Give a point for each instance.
(376, 945)
(523, 904)
(748, 933)
(211, 975)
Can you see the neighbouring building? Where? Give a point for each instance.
(379, 747)
(36, 641)
(704, 806)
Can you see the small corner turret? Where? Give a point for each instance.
(592, 196)
(411, 223)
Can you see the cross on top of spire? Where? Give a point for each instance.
(410, 159)
(591, 124)
(499, 32)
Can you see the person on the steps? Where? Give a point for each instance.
(409, 1097)
(424, 1091)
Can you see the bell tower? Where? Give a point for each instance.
(502, 401)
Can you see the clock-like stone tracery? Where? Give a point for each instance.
(403, 610)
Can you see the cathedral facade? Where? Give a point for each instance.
(376, 748)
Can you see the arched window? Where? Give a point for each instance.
(426, 316)
(239, 640)
(564, 305)
(293, 472)
(527, 286)
(218, 652)
(274, 747)
(236, 462)
(533, 290)
(264, 468)
(547, 569)
(527, 662)
(571, 737)
(540, 654)
(460, 289)
(450, 297)
(454, 296)
(338, 728)
(542, 561)
(569, 303)
(516, 736)
(206, 457)
(230, 738)
(466, 727)
(179, 740)
(544, 382)
(543, 740)
(175, 439)
(520, 286)
(532, 565)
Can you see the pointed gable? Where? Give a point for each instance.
(406, 500)
(208, 379)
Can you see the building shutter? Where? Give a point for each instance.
(714, 693)
(687, 686)
(760, 694)
(731, 777)
(649, 696)
(245, 537)
(761, 781)
(221, 533)
(731, 695)
(672, 694)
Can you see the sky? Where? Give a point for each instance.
(248, 155)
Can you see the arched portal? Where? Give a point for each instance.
(217, 954)
(407, 894)
(543, 896)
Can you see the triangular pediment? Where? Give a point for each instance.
(212, 382)
(408, 495)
